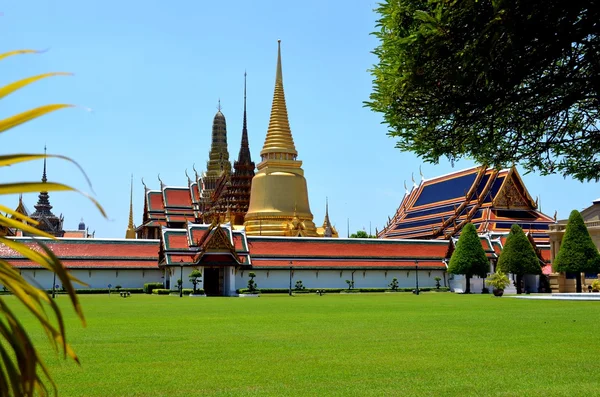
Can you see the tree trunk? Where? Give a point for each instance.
(578, 278)
(468, 286)
(519, 282)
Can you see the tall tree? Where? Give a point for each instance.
(469, 258)
(362, 234)
(22, 371)
(518, 256)
(497, 81)
(578, 253)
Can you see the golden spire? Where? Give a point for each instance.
(279, 135)
(130, 227)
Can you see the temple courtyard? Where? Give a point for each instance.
(336, 344)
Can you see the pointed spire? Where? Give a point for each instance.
(130, 227)
(44, 179)
(279, 135)
(244, 155)
(328, 232)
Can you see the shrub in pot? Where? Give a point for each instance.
(498, 281)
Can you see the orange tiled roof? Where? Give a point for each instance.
(345, 248)
(91, 252)
(177, 197)
(346, 263)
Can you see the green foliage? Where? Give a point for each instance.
(194, 276)
(469, 257)
(394, 284)
(185, 292)
(500, 82)
(118, 287)
(350, 284)
(518, 256)
(596, 285)
(498, 280)
(299, 286)
(252, 286)
(337, 290)
(362, 234)
(437, 282)
(577, 250)
(161, 291)
(148, 287)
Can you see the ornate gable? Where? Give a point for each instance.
(513, 194)
(218, 241)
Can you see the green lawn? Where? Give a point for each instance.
(364, 344)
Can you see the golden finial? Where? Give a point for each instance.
(130, 227)
(279, 135)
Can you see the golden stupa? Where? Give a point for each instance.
(279, 196)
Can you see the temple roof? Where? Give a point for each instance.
(91, 252)
(490, 199)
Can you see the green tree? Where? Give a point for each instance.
(518, 256)
(194, 276)
(252, 286)
(394, 284)
(299, 286)
(469, 258)
(22, 370)
(362, 234)
(500, 82)
(577, 253)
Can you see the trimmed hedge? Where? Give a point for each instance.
(337, 290)
(185, 291)
(99, 291)
(161, 291)
(148, 287)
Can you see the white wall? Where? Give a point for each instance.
(280, 278)
(97, 278)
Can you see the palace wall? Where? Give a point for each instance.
(97, 278)
(280, 278)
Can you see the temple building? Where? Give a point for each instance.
(47, 221)
(274, 202)
(493, 200)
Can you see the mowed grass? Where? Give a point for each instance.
(355, 345)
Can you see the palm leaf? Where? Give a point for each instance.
(22, 371)
(12, 87)
(33, 187)
(29, 115)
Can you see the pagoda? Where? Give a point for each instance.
(218, 161)
(279, 196)
(47, 221)
(231, 196)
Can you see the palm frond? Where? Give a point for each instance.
(22, 370)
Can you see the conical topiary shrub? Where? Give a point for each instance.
(518, 256)
(469, 257)
(578, 253)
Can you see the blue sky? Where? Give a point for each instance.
(152, 73)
